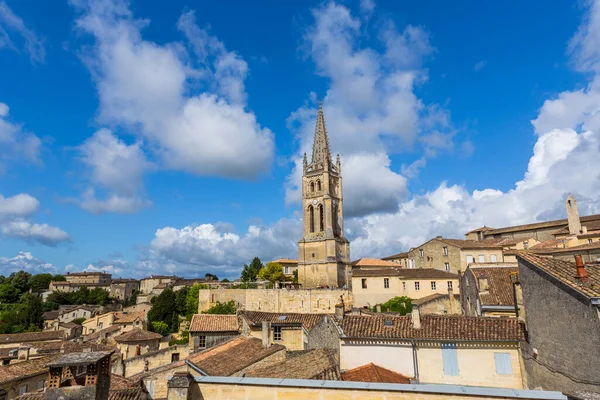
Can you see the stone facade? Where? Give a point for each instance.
(151, 360)
(323, 251)
(210, 339)
(321, 301)
(564, 334)
(97, 278)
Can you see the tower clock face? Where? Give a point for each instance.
(315, 202)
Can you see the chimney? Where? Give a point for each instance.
(582, 274)
(452, 301)
(266, 333)
(416, 317)
(378, 308)
(339, 312)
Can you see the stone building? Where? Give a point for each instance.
(123, 288)
(208, 330)
(125, 320)
(320, 364)
(292, 330)
(151, 360)
(440, 304)
(376, 286)
(323, 251)
(83, 278)
(149, 283)
(137, 342)
(487, 289)
(289, 266)
(23, 377)
(13, 340)
(562, 314)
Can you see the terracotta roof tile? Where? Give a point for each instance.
(50, 315)
(308, 321)
(500, 287)
(435, 327)
(404, 273)
(315, 364)
(142, 375)
(232, 356)
(118, 382)
(31, 337)
(97, 334)
(557, 247)
(122, 317)
(373, 262)
(127, 394)
(66, 347)
(482, 229)
(374, 373)
(396, 256)
(137, 335)
(214, 323)
(31, 396)
(431, 298)
(564, 271)
(285, 261)
(472, 244)
(24, 369)
(539, 225)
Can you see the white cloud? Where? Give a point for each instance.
(41, 233)
(187, 101)
(17, 206)
(371, 109)
(25, 261)
(16, 144)
(10, 22)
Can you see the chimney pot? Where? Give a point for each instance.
(581, 272)
(416, 318)
(266, 333)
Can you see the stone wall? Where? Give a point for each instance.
(277, 300)
(433, 256)
(469, 294)
(324, 335)
(212, 339)
(151, 360)
(565, 331)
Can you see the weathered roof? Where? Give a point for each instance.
(125, 317)
(471, 244)
(160, 277)
(79, 358)
(97, 334)
(404, 273)
(8, 352)
(232, 356)
(307, 321)
(127, 394)
(120, 382)
(24, 369)
(31, 337)
(556, 246)
(214, 323)
(84, 273)
(66, 346)
(125, 280)
(500, 287)
(167, 367)
(69, 325)
(564, 272)
(396, 256)
(285, 261)
(137, 335)
(373, 373)
(50, 315)
(432, 297)
(314, 364)
(434, 327)
(482, 229)
(373, 262)
(540, 225)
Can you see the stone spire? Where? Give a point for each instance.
(321, 154)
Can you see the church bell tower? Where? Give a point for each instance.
(324, 252)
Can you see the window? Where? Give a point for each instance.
(447, 266)
(405, 263)
(74, 315)
(481, 258)
(318, 185)
(469, 260)
(590, 240)
(433, 285)
(201, 342)
(312, 186)
(403, 285)
(321, 218)
(174, 357)
(41, 385)
(277, 333)
(311, 218)
(417, 286)
(493, 258)
(449, 284)
(503, 365)
(412, 264)
(421, 253)
(100, 325)
(364, 283)
(450, 358)
(286, 270)
(526, 245)
(445, 249)
(22, 390)
(386, 283)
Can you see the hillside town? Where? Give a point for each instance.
(503, 312)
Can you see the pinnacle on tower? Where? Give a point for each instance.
(321, 154)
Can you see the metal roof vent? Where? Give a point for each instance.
(388, 322)
(282, 317)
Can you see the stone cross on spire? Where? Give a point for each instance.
(321, 153)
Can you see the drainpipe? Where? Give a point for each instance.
(415, 361)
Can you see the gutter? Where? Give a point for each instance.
(195, 368)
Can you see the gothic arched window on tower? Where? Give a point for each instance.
(311, 218)
(321, 218)
(312, 186)
(319, 185)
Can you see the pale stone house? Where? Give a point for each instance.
(289, 266)
(137, 342)
(208, 330)
(12, 340)
(125, 320)
(376, 286)
(69, 314)
(155, 381)
(84, 278)
(439, 303)
(149, 283)
(123, 288)
(487, 289)
(24, 377)
(475, 351)
(151, 360)
(320, 364)
(293, 330)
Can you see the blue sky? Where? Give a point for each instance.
(138, 137)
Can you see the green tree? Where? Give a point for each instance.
(222, 308)
(272, 272)
(59, 278)
(160, 327)
(191, 300)
(20, 281)
(211, 277)
(163, 309)
(97, 296)
(399, 304)
(181, 300)
(8, 293)
(78, 321)
(175, 322)
(250, 272)
(40, 282)
(295, 279)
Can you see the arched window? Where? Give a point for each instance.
(319, 185)
(321, 218)
(312, 186)
(311, 218)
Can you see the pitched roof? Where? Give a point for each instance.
(74, 359)
(431, 298)
(482, 229)
(540, 225)
(160, 277)
(500, 287)
(137, 335)
(314, 364)
(24, 369)
(434, 327)
(307, 321)
(373, 262)
(66, 346)
(564, 272)
(125, 317)
(285, 261)
(84, 273)
(142, 375)
(232, 356)
(405, 273)
(373, 373)
(214, 323)
(50, 315)
(127, 394)
(31, 337)
(96, 335)
(396, 256)
(120, 382)
(556, 246)
(471, 244)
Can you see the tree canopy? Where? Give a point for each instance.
(272, 272)
(250, 272)
(399, 304)
(223, 308)
(163, 309)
